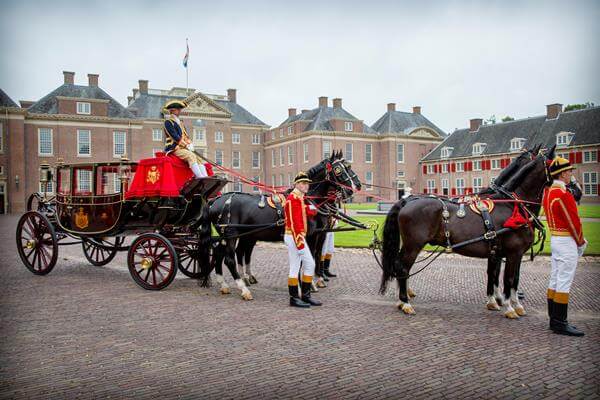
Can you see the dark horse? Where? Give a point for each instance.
(241, 218)
(418, 220)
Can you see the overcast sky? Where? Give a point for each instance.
(458, 60)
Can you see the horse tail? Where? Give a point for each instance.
(391, 245)
(205, 244)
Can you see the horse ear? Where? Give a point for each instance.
(341, 154)
(550, 154)
(536, 149)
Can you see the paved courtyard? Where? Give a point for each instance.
(91, 332)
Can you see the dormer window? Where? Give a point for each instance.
(564, 139)
(478, 148)
(83, 108)
(516, 144)
(348, 126)
(447, 152)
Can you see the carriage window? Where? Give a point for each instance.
(107, 180)
(47, 187)
(84, 181)
(64, 181)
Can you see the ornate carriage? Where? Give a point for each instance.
(96, 206)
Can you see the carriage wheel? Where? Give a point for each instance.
(152, 261)
(36, 243)
(189, 260)
(98, 255)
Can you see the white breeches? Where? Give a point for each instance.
(564, 262)
(328, 244)
(296, 259)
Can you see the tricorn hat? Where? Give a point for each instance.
(559, 165)
(301, 177)
(175, 104)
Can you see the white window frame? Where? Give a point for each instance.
(430, 185)
(257, 159)
(590, 183)
(256, 138)
(236, 138)
(273, 158)
(592, 156)
(400, 174)
(236, 162)
(445, 185)
(400, 154)
(369, 153)
(256, 180)
(305, 151)
(349, 155)
(79, 180)
(79, 153)
(478, 148)
(477, 165)
(281, 183)
(290, 155)
(348, 126)
(430, 169)
(157, 135)
(199, 135)
(273, 180)
(238, 186)
(84, 108)
(516, 144)
(217, 152)
(460, 164)
(446, 152)
(460, 186)
(280, 132)
(1, 138)
(218, 137)
(444, 168)
(273, 135)
(51, 133)
(115, 154)
(326, 149)
(368, 180)
(495, 164)
(477, 187)
(563, 139)
(290, 129)
(281, 157)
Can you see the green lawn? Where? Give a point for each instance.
(591, 231)
(361, 206)
(589, 210)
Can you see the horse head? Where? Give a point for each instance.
(531, 179)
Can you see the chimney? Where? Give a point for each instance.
(129, 99)
(291, 112)
(93, 79)
(323, 101)
(391, 107)
(416, 109)
(69, 77)
(143, 86)
(475, 123)
(135, 92)
(337, 103)
(552, 110)
(232, 95)
(26, 103)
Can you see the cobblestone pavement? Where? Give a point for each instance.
(91, 332)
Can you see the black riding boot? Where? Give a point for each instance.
(559, 323)
(550, 310)
(295, 299)
(326, 265)
(306, 296)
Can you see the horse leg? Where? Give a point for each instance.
(492, 304)
(514, 295)
(497, 291)
(510, 269)
(230, 262)
(218, 260)
(407, 258)
(247, 262)
(240, 249)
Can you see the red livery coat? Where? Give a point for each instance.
(296, 212)
(561, 212)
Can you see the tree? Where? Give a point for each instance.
(571, 107)
(490, 120)
(507, 118)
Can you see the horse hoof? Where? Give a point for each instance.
(247, 296)
(493, 307)
(511, 314)
(520, 311)
(321, 285)
(253, 280)
(411, 293)
(408, 309)
(225, 290)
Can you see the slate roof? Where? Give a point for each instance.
(150, 106)
(584, 123)
(320, 118)
(6, 101)
(403, 123)
(49, 105)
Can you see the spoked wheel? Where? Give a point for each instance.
(101, 251)
(189, 260)
(152, 261)
(37, 243)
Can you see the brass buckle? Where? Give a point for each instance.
(490, 235)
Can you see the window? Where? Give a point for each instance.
(255, 138)
(84, 181)
(281, 180)
(157, 135)
(430, 185)
(590, 156)
(369, 180)
(273, 181)
(516, 144)
(430, 169)
(445, 187)
(45, 142)
(348, 126)
(477, 165)
(460, 166)
(280, 132)
(256, 179)
(119, 145)
(290, 129)
(447, 152)
(289, 180)
(237, 185)
(273, 158)
(400, 153)
(256, 159)
(290, 155)
(305, 151)
(84, 147)
(445, 168)
(478, 148)
(84, 108)
(564, 138)
(272, 135)
(235, 159)
(116, 183)
(218, 137)
(281, 156)
(477, 184)
(219, 157)
(348, 153)
(1, 140)
(460, 186)
(326, 149)
(496, 163)
(235, 138)
(590, 184)
(400, 174)
(369, 153)
(199, 135)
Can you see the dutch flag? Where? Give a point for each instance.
(187, 54)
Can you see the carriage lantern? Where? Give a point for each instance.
(45, 176)
(124, 173)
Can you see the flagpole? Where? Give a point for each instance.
(187, 71)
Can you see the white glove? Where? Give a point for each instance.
(190, 147)
(312, 207)
(582, 248)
